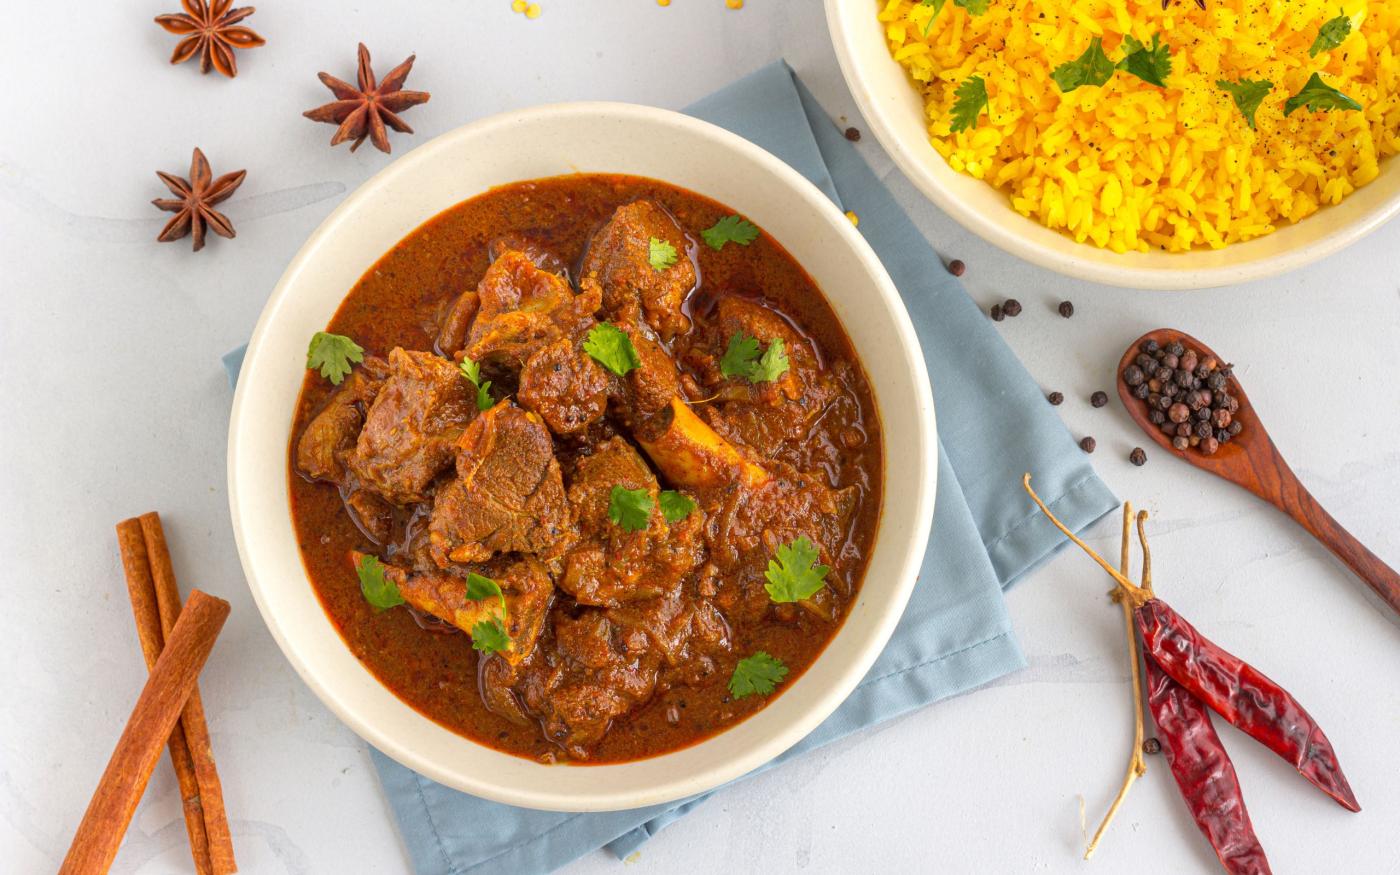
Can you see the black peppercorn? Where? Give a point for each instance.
(1138, 456)
(1055, 398)
(1099, 399)
(1180, 443)
(1176, 348)
(1011, 307)
(1151, 746)
(1066, 309)
(1141, 391)
(1088, 444)
(1164, 403)
(853, 134)
(1183, 378)
(1203, 414)
(1189, 360)
(1183, 429)
(1223, 436)
(957, 268)
(1209, 446)
(1150, 346)
(1221, 418)
(1132, 375)
(1171, 361)
(1235, 427)
(1216, 381)
(997, 315)
(1143, 361)
(1168, 428)
(1157, 417)
(1164, 374)
(1204, 430)
(1178, 412)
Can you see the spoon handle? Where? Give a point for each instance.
(1281, 488)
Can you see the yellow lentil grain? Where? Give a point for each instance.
(517, 6)
(855, 220)
(532, 11)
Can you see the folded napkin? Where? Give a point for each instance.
(993, 425)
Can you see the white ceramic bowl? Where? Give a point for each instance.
(895, 112)
(548, 141)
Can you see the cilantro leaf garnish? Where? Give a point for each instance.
(661, 254)
(972, 99)
(379, 590)
(629, 508)
(1332, 34)
(937, 8)
(1248, 94)
(481, 587)
(974, 7)
(612, 348)
(759, 674)
(1091, 68)
(489, 636)
(730, 229)
(472, 371)
(1318, 95)
(794, 575)
(333, 355)
(1150, 64)
(741, 359)
(675, 506)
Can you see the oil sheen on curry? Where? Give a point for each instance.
(585, 469)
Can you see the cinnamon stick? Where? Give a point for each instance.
(141, 587)
(192, 722)
(152, 720)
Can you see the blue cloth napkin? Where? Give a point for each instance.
(993, 425)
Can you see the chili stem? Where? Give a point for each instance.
(1146, 579)
(1135, 594)
(1137, 767)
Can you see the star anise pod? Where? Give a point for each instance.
(363, 112)
(194, 201)
(211, 31)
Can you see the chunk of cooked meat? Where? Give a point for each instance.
(767, 415)
(411, 429)
(452, 336)
(523, 308)
(508, 495)
(652, 386)
(524, 583)
(619, 256)
(691, 453)
(566, 387)
(331, 433)
(595, 672)
(611, 565)
(543, 257)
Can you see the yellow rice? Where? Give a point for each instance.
(1130, 166)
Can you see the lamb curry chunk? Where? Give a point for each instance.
(597, 466)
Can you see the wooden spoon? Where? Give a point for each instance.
(1251, 460)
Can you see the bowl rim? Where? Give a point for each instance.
(916, 166)
(326, 685)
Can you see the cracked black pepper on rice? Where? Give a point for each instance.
(1187, 393)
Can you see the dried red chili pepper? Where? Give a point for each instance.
(1204, 773)
(1242, 695)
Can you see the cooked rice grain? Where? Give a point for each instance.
(1130, 166)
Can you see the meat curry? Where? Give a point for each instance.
(596, 471)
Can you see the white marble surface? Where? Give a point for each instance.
(114, 403)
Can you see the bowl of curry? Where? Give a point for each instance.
(584, 458)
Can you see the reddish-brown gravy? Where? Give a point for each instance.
(630, 656)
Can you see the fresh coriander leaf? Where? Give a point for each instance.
(333, 355)
(759, 674)
(972, 99)
(795, 576)
(1091, 68)
(483, 397)
(974, 7)
(1332, 34)
(629, 508)
(730, 229)
(378, 589)
(612, 348)
(675, 506)
(480, 587)
(937, 8)
(489, 636)
(661, 254)
(1318, 95)
(472, 371)
(741, 359)
(773, 364)
(1248, 94)
(1152, 65)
